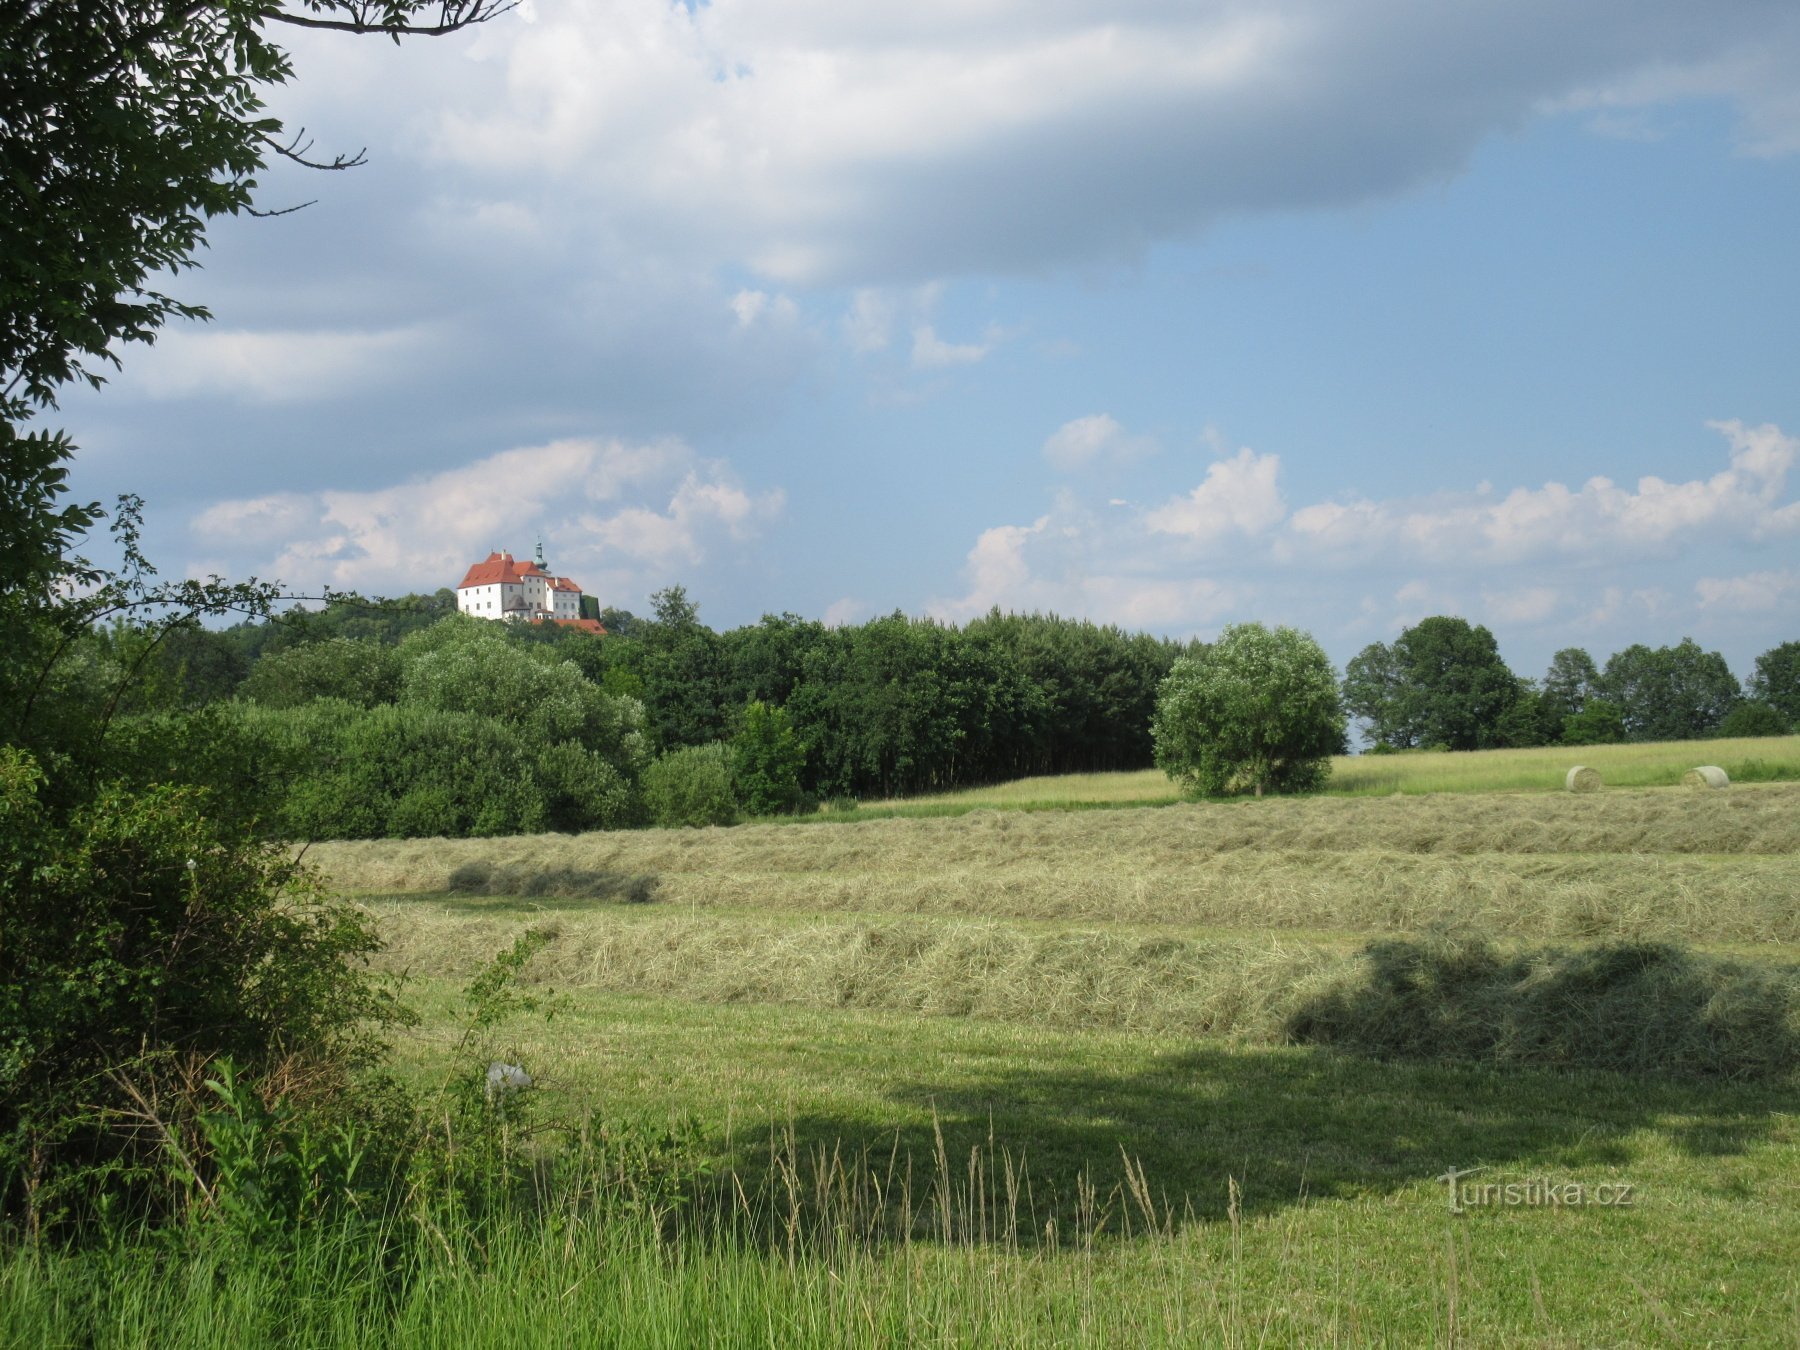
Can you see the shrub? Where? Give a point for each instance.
(142, 938)
(691, 787)
(766, 760)
(1753, 717)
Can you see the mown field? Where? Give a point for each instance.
(1177, 1075)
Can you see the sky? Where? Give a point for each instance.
(1163, 313)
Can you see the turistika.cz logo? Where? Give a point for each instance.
(1534, 1193)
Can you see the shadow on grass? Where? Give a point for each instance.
(1644, 1008)
(1284, 1125)
(534, 882)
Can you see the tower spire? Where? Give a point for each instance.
(542, 566)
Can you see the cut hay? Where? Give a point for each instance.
(1583, 779)
(1706, 776)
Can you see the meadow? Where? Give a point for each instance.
(1073, 1077)
(1094, 1077)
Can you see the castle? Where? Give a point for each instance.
(500, 587)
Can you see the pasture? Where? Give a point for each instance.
(1148, 1076)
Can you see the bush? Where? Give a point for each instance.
(691, 787)
(142, 939)
(766, 760)
(1753, 717)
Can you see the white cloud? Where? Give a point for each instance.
(930, 352)
(1239, 496)
(1086, 441)
(276, 366)
(1525, 605)
(868, 323)
(424, 534)
(1061, 562)
(1755, 592)
(820, 143)
(754, 306)
(844, 611)
(1599, 518)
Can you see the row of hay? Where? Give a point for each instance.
(1739, 900)
(1763, 820)
(1634, 1007)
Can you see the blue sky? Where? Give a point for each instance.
(1166, 314)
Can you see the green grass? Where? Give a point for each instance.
(945, 1180)
(1657, 764)
(1027, 1077)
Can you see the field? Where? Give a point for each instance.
(1758, 760)
(1176, 1075)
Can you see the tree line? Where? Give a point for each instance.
(406, 718)
(1443, 684)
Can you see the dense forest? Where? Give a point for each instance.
(404, 718)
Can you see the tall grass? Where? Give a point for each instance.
(875, 1249)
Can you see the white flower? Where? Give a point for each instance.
(191, 864)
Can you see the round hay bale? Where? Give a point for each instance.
(1583, 779)
(1706, 776)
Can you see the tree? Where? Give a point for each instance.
(1258, 711)
(140, 930)
(682, 666)
(1373, 683)
(1678, 693)
(1571, 681)
(1455, 690)
(1598, 723)
(766, 760)
(1776, 680)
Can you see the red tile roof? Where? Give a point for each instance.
(502, 568)
(593, 626)
(497, 567)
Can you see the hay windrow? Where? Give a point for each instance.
(1761, 820)
(1633, 1007)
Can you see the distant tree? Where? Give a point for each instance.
(766, 761)
(1373, 684)
(364, 673)
(1753, 717)
(620, 623)
(682, 666)
(1776, 680)
(1598, 723)
(1259, 711)
(1455, 690)
(1535, 718)
(1678, 693)
(766, 660)
(1571, 681)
